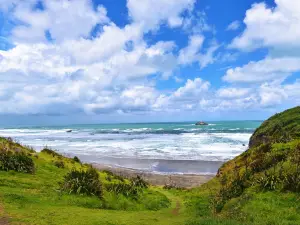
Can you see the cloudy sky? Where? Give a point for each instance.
(86, 61)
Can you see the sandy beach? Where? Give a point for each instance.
(178, 180)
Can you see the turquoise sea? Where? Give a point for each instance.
(156, 147)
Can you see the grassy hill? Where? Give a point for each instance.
(261, 186)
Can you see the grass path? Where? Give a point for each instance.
(3, 217)
(42, 211)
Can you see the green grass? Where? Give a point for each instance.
(36, 199)
(282, 127)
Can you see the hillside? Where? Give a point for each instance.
(261, 186)
(280, 128)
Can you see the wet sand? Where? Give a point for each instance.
(178, 180)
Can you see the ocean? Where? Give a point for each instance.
(152, 147)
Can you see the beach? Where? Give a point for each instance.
(175, 180)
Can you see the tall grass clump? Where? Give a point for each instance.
(17, 161)
(131, 188)
(76, 159)
(292, 178)
(51, 152)
(83, 183)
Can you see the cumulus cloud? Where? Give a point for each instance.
(192, 88)
(55, 67)
(91, 82)
(152, 13)
(267, 69)
(57, 18)
(194, 52)
(276, 27)
(196, 23)
(232, 92)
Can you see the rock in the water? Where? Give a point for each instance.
(201, 123)
(69, 131)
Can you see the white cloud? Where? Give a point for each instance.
(152, 13)
(89, 82)
(117, 70)
(267, 69)
(190, 53)
(63, 19)
(234, 25)
(232, 92)
(196, 23)
(192, 88)
(276, 27)
(193, 52)
(208, 57)
(271, 95)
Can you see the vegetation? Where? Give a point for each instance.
(260, 187)
(59, 164)
(76, 159)
(51, 152)
(280, 128)
(83, 182)
(18, 162)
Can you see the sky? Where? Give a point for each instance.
(98, 61)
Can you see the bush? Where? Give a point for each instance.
(111, 175)
(59, 164)
(17, 161)
(139, 182)
(51, 152)
(269, 182)
(83, 182)
(131, 189)
(230, 188)
(76, 159)
(292, 182)
(126, 189)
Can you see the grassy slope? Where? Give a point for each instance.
(34, 199)
(282, 127)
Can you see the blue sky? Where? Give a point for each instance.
(84, 61)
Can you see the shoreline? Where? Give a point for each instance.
(176, 180)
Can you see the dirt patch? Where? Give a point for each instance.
(3, 218)
(4, 221)
(175, 211)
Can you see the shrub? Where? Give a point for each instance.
(269, 182)
(111, 175)
(83, 182)
(292, 182)
(59, 164)
(126, 189)
(76, 159)
(131, 189)
(169, 186)
(51, 152)
(139, 182)
(172, 186)
(230, 188)
(292, 178)
(17, 161)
